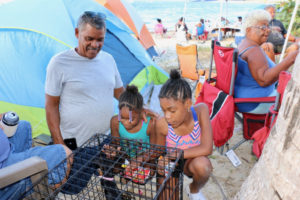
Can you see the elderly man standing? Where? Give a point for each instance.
(81, 84)
(277, 36)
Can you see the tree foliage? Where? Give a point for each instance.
(285, 13)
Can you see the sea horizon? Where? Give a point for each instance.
(169, 11)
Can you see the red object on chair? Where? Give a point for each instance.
(219, 98)
(223, 120)
(261, 135)
(221, 109)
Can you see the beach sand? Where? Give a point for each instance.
(226, 179)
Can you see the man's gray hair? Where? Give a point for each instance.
(269, 6)
(95, 19)
(255, 16)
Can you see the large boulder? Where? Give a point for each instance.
(276, 176)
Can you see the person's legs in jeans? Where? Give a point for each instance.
(53, 155)
(22, 139)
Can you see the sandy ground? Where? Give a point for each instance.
(226, 179)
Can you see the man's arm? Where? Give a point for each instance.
(118, 92)
(53, 118)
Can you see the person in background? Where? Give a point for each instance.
(181, 31)
(239, 22)
(19, 147)
(200, 32)
(257, 73)
(225, 22)
(159, 28)
(81, 84)
(277, 36)
(188, 128)
(238, 34)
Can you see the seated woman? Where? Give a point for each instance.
(200, 32)
(181, 31)
(159, 28)
(257, 73)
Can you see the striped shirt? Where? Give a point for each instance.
(185, 141)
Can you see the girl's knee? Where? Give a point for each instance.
(201, 165)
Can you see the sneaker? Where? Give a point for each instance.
(194, 196)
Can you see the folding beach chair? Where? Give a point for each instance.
(220, 98)
(261, 135)
(34, 168)
(188, 61)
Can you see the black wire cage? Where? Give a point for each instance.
(107, 167)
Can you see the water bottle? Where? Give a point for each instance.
(9, 123)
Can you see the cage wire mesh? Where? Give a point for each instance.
(107, 167)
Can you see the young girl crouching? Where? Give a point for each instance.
(188, 128)
(131, 137)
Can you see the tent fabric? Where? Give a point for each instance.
(40, 29)
(125, 11)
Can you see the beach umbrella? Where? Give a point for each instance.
(127, 13)
(33, 31)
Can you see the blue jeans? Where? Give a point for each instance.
(21, 149)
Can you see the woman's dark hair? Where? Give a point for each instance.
(131, 98)
(158, 20)
(176, 88)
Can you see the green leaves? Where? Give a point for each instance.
(285, 13)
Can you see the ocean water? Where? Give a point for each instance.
(171, 10)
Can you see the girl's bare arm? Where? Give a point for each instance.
(206, 146)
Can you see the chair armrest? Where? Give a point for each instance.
(255, 100)
(26, 168)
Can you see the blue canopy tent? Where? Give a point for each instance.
(32, 31)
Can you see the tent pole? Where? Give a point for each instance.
(184, 10)
(289, 29)
(220, 22)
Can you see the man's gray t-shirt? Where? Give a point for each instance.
(86, 90)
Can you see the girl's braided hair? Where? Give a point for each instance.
(176, 87)
(131, 98)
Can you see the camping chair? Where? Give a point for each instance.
(188, 61)
(221, 101)
(261, 135)
(34, 167)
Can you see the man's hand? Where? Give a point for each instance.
(149, 113)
